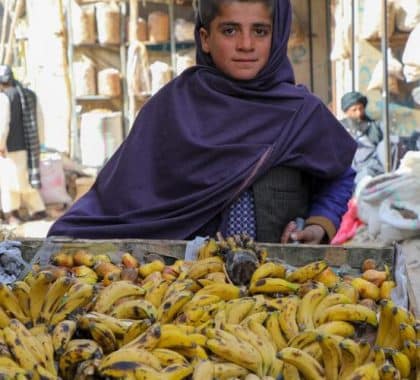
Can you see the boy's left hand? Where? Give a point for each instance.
(312, 234)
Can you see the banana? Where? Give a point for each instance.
(129, 261)
(168, 310)
(366, 289)
(77, 351)
(345, 288)
(201, 268)
(177, 371)
(195, 353)
(4, 349)
(208, 249)
(217, 277)
(342, 328)
(83, 257)
(129, 370)
(235, 350)
(132, 355)
(366, 371)
(401, 362)
(78, 296)
(407, 332)
(350, 312)
(136, 329)
(290, 372)
(307, 306)
(328, 277)
(409, 349)
(307, 272)
(271, 285)
(273, 327)
(10, 305)
(155, 294)
(330, 300)
(54, 296)
(259, 342)
(204, 370)
(109, 295)
(331, 355)
(85, 274)
(224, 371)
(37, 294)
(225, 292)
(45, 339)
(104, 336)
(173, 337)
(259, 317)
(167, 357)
(8, 362)
(276, 369)
(238, 309)
(287, 317)
(351, 357)
(147, 340)
(201, 301)
(14, 373)
(135, 309)
(21, 291)
(62, 334)
(386, 289)
(388, 372)
(303, 339)
(4, 318)
(366, 351)
(385, 322)
(119, 327)
(380, 356)
(149, 268)
(304, 362)
(268, 269)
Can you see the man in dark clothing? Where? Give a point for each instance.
(367, 133)
(19, 149)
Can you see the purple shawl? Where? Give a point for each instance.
(201, 140)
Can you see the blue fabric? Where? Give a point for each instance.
(242, 216)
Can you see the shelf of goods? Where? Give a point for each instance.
(137, 305)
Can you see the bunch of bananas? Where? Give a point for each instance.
(188, 320)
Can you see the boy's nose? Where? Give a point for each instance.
(245, 41)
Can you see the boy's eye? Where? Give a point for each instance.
(228, 30)
(261, 31)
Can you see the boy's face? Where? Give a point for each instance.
(356, 111)
(239, 39)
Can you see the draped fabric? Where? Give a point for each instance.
(202, 140)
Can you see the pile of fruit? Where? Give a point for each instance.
(84, 317)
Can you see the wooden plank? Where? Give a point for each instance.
(336, 256)
(411, 254)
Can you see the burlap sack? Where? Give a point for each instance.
(407, 14)
(372, 19)
(83, 24)
(109, 82)
(158, 25)
(84, 72)
(108, 23)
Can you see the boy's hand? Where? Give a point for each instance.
(3, 152)
(312, 234)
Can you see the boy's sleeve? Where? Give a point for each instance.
(329, 200)
(4, 120)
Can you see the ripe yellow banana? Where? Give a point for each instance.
(401, 362)
(204, 370)
(18, 373)
(303, 339)
(366, 371)
(149, 268)
(104, 336)
(54, 297)
(45, 339)
(134, 309)
(366, 351)
(129, 370)
(331, 355)
(407, 332)
(201, 268)
(118, 326)
(287, 317)
(273, 327)
(135, 330)
(115, 291)
(307, 306)
(193, 354)
(238, 309)
(305, 363)
(350, 312)
(385, 322)
(79, 295)
(268, 269)
(290, 372)
(307, 272)
(343, 328)
(179, 286)
(330, 300)
(271, 285)
(177, 371)
(37, 294)
(169, 309)
(10, 305)
(388, 372)
(147, 340)
(173, 337)
(409, 349)
(366, 289)
(85, 274)
(276, 369)
(4, 318)
(62, 334)
(351, 357)
(21, 291)
(224, 371)
(167, 357)
(223, 291)
(132, 355)
(155, 294)
(345, 288)
(208, 249)
(77, 351)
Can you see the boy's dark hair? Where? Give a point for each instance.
(209, 9)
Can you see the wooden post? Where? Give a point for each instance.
(132, 36)
(4, 28)
(8, 60)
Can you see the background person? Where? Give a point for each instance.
(19, 150)
(237, 148)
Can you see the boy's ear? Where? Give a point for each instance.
(204, 37)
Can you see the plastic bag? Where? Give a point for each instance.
(372, 19)
(53, 189)
(407, 14)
